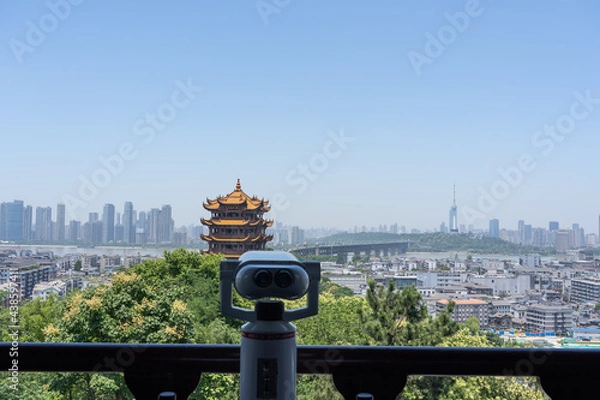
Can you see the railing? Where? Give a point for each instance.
(380, 371)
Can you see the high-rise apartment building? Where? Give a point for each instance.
(128, 224)
(43, 223)
(577, 238)
(527, 234)
(11, 221)
(140, 228)
(153, 224)
(443, 228)
(297, 236)
(166, 224)
(495, 228)
(521, 229)
(74, 233)
(108, 223)
(539, 237)
(28, 223)
(561, 241)
(61, 222)
(93, 217)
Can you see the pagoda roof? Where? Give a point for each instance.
(237, 197)
(248, 238)
(235, 222)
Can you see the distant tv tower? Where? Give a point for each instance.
(453, 223)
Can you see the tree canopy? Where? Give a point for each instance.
(176, 300)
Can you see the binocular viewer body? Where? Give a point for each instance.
(270, 274)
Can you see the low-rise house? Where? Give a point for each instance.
(45, 289)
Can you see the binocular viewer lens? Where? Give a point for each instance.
(263, 278)
(283, 278)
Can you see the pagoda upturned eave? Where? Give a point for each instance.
(246, 239)
(236, 222)
(213, 205)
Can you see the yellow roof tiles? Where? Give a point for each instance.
(237, 198)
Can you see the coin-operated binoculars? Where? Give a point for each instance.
(268, 350)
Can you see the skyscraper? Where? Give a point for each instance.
(561, 242)
(553, 226)
(74, 231)
(521, 229)
(494, 228)
(3, 220)
(43, 223)
(166, 224)
(128, 224)
(140, 237)
(453, 220)
(93, 217)
(60, 222)
(527, 234)
(577, 236)
(108, 223)
(153, 224)
(11, 221)
(28, 223)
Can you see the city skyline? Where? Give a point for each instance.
(53, 214)
(362, 117)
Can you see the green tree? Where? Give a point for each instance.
(326, 286)
(395, 318)
(472, 324)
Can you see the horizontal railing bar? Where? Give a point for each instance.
(114, 357)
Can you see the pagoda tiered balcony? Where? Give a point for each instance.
(381, 371)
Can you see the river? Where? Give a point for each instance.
(61, 251)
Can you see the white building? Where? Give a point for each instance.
(583, 290)
(557, 319)
(502, 283)
(44, 289)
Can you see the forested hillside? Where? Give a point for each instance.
(436, 242)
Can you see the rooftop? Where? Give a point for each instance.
(237, 197)
(464, 301)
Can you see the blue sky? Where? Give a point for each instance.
(274, 94)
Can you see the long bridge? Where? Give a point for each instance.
(387, 248)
